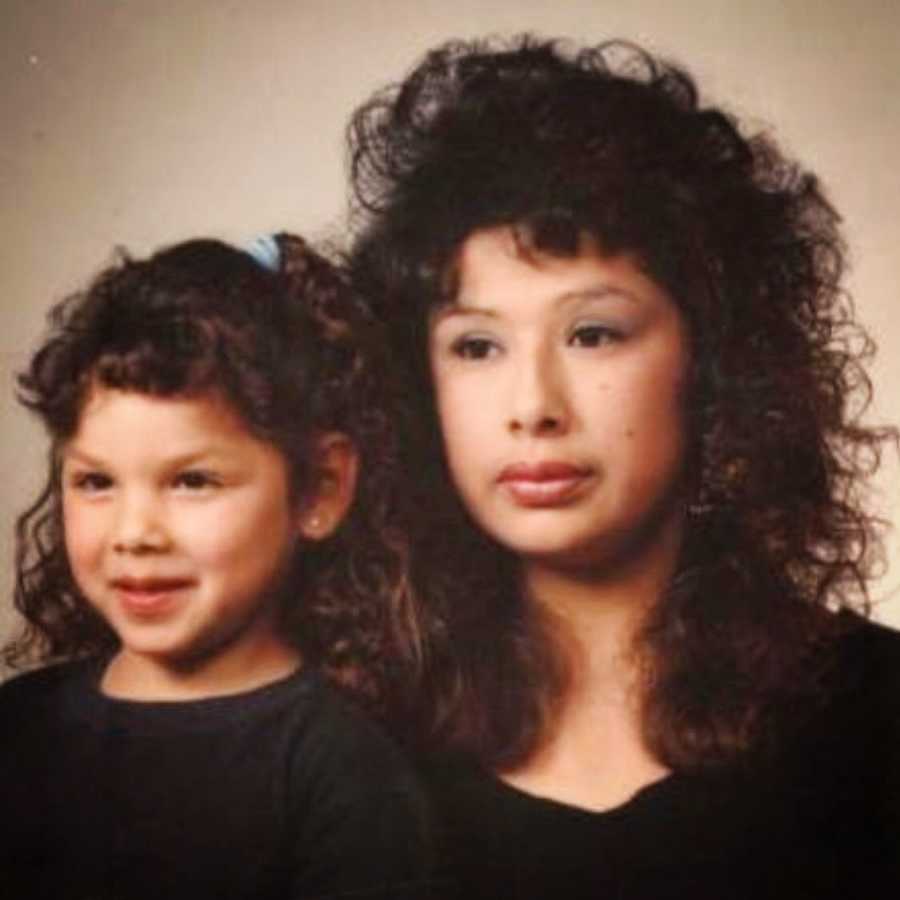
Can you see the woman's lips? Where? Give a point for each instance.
(544, 484)
(148, 597)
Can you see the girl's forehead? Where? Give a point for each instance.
(148, 411)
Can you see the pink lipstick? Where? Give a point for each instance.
(544, 484)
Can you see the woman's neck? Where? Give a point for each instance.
(597, 613)
(595, 756)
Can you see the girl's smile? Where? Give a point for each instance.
(151, 597)
(559, 387)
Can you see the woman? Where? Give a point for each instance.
(633, 413)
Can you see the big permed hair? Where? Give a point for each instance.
(613, 143)
(293, 352)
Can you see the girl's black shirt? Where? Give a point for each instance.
(281, 792)
(820, 819)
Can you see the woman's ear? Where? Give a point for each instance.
(335, 463)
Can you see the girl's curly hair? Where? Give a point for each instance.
(611, 142)
(295, 354)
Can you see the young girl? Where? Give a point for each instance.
(633, 364)
(207, 411)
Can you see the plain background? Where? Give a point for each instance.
(142, 122)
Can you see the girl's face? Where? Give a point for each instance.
(179, 524)
(559, 387)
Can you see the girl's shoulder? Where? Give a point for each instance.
(38, 685)
(337, 731)
(36, 702)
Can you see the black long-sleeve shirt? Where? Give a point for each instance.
(819, 820)
(282, 792)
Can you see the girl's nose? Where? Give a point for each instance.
(139, 526)
(539, 403)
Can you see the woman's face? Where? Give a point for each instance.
(559, 386)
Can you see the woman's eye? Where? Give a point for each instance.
(594, 335)
(473, 347)
(195, 480)
(91, 482)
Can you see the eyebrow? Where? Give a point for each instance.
(71, 452)
(455, 308)
(185, 459)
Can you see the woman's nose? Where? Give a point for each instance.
(539, 402)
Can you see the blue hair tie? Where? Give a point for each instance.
(265, 252)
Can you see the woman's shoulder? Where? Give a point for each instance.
(868, 657)
(846, 748)
(873, 634)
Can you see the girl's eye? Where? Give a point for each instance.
(91, 482)
(594, 335)
(195, 480)
(467, 347)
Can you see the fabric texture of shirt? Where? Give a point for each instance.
(820, 819)
(281, 792)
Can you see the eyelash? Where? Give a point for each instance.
(189, 480)
(465, 347)
(596, 334)
(195, 480)
(473, 347)
(91, 482)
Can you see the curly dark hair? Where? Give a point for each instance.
(294, 353)
(558, 143)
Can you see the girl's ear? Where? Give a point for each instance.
(333, 485)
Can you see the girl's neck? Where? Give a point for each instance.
(133, 676)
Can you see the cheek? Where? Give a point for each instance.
(463, 408)
(657, 432)
(645, 415)
(246, 538)
(463, 435)
(216, 540)
(658, 408)
(83, 533)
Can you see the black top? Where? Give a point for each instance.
(820, 820)
(282, 792)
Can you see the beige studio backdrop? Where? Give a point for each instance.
(141, 122)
